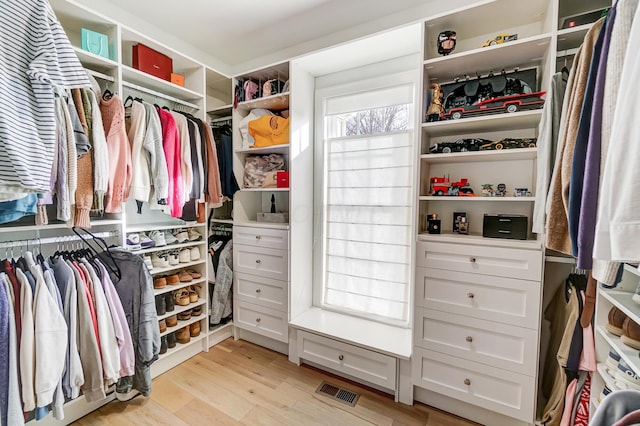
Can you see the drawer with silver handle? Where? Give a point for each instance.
(261, 237)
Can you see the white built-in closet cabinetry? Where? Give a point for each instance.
(207, 95)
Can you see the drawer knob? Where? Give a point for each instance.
(469, 339)
(258, 261)
(258, 237)
(467, 382)
(258, 291)
(472, 259)
(341, 357)
(258, 319)
(471, 295)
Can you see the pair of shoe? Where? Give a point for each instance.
(619, 324)
(623, 377)
(167, 342)
(164, 303)
(189, 255)
(139, 241)
(185, 334)
(186, 235)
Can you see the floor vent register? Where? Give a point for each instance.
(338, 394)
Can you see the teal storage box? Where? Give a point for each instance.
(95, 42)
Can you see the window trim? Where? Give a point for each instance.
(350, 87)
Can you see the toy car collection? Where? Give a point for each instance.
(442, 186)
(461, 145)
(499, 39)
(501, 104)
(510, 143)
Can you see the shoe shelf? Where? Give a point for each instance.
(168, 247)
(163, 227)
(482, 156)
(179, 309)
(623, 300)
(183, 324)
(156, 271)
(179, 346)
(627, 353)
(172, 287)
(608, 380)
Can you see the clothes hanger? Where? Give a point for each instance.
(129, 101)
(565, 70)
(115, 269)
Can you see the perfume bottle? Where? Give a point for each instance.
(433, 224)
(463, 226)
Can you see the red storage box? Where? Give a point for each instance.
(152, 62)
(282, 179)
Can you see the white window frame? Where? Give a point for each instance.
(393, 78)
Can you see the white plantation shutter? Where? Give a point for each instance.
(367, 207)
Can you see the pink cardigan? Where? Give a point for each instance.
(119, 153)
(171, 145)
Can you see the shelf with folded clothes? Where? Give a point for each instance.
(156, 271)
(172, 287)
(183, 324)
(178, 309)
(169, 247)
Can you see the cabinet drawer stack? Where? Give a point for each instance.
(476, 325)
(261, 280)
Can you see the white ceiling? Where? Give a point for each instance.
(239, 31)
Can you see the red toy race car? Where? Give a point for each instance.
(501, 104)
(442, 186)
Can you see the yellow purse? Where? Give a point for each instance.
(269, 130)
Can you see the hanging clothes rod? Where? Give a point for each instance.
(221, 119)
(159, 95)
(100, 75)
(54, 240)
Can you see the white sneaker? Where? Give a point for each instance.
(159, 261)
(174, 259)
(625, 377)
(169, 238)
(147, 261)
(182, 236)
(184, 256)
(146, 242)
(158, 238)
(133, 242)
(194, 235)
(194, 253)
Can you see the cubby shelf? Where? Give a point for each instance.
(172, 287)
(132, 75)
(477, 199)
(277, 149)
(623, 300)
(277, 102)
(484, 123)
(569, 38)
(163, 226)
(169, 247)
(93, 61)
(482, 156)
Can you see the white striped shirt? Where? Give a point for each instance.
(36, 58)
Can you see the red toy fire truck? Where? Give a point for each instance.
(442, 186)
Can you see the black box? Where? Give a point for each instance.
(513, 227)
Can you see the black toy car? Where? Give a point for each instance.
(510, 143)
(461, 145)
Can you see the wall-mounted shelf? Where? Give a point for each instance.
(569, 38)
(478, 199)
(484, 123)
(94, 61)
(277, 102)
(275, 149)
(482, 156)
(139, 78)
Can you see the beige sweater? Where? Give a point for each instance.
(557, 221)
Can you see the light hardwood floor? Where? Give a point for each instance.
(237, 382)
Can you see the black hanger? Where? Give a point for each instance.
(107, 94)
(128, 102)
(115, 269)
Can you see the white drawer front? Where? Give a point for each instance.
(500, 345)
(261, 291)
(505, 300)
(502, 262)
(492, 388)
(262, 262)
(362, 363)
(261, 320)
(261, 237)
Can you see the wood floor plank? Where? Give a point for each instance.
(237, 383)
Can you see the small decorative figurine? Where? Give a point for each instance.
(499, 39)
(501, 190)
(446, 42)
(463, 226)
(487, 190)
(521, 192)
(435, 110)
